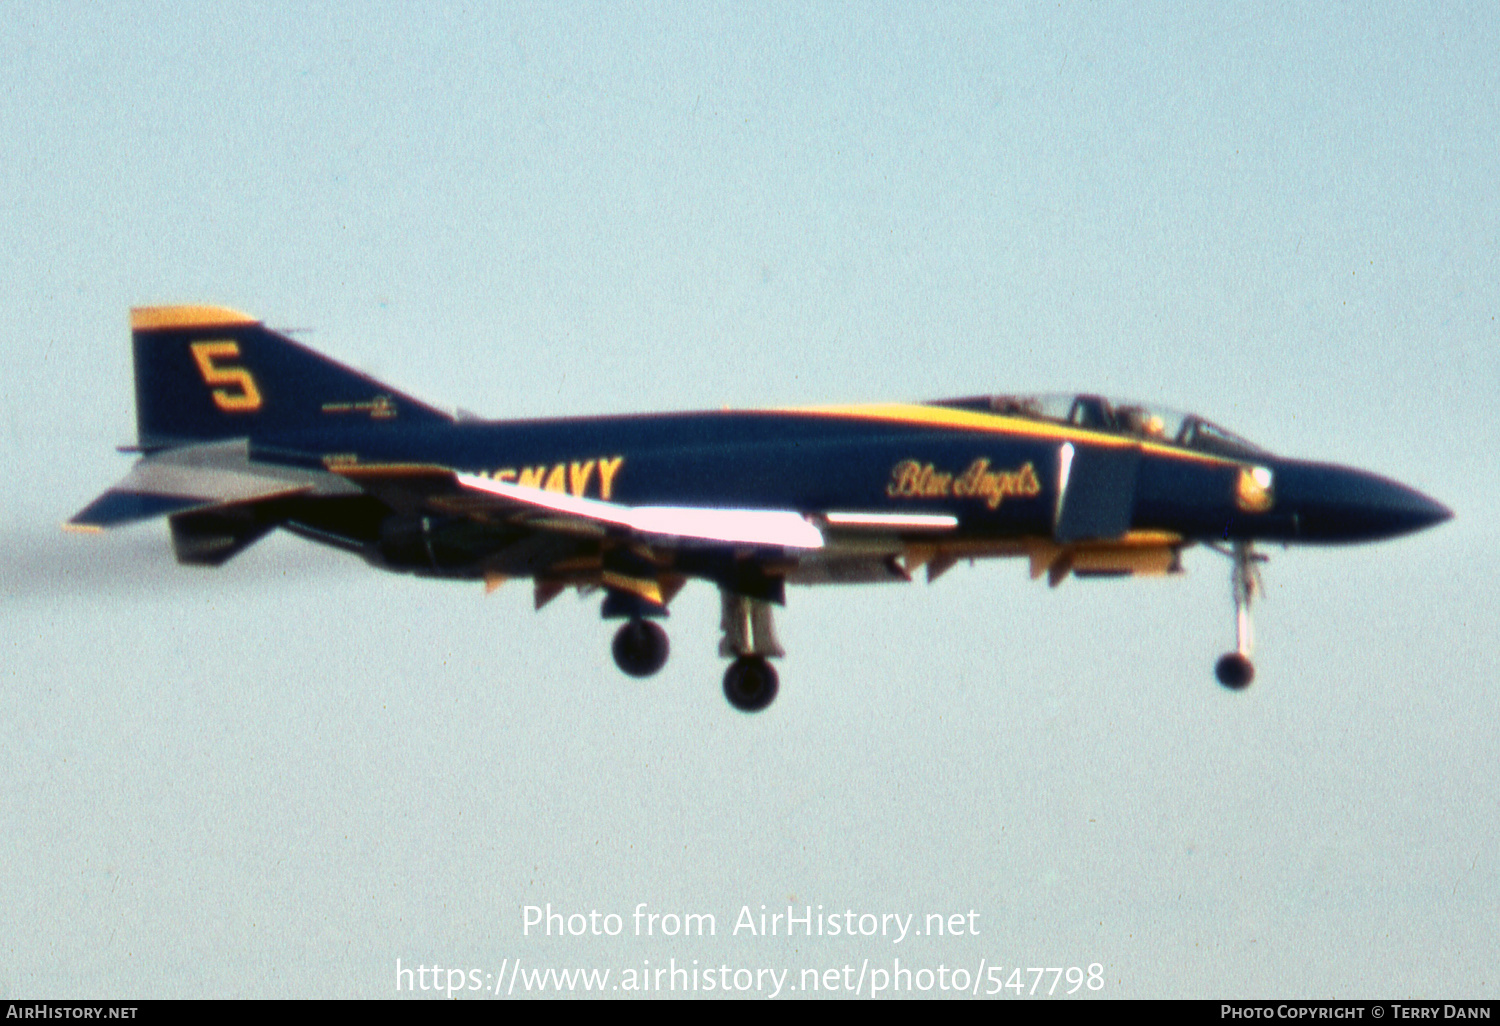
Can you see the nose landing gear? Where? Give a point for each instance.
(1234, 669)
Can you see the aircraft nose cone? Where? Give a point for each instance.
(1409, 511)
(1427, 512)
(1338, 504)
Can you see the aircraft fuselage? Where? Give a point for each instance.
(243, 430)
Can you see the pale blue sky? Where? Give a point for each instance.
(278, 778)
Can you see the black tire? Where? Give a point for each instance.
(640, 648)
(1234, 671)
(751, 683)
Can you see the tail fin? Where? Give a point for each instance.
(205, 372)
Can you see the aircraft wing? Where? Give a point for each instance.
(483, 497)
(414, 489)
(745, 550)
(758, 528)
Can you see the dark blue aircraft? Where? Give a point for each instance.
(242, 430)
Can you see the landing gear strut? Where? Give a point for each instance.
(1234, 669)
(640, 647)
(750, 683)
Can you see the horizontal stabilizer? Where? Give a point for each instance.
(199, 477)
(117, 507)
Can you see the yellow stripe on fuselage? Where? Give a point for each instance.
(995, 423)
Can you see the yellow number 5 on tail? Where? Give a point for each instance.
(244, 397)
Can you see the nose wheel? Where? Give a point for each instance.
(1234, 669)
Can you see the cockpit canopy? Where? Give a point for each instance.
(1151, 423)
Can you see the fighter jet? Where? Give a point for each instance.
(242, 430)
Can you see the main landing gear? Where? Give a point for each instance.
(1234, 669)
(750, 683)
(640, 647)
